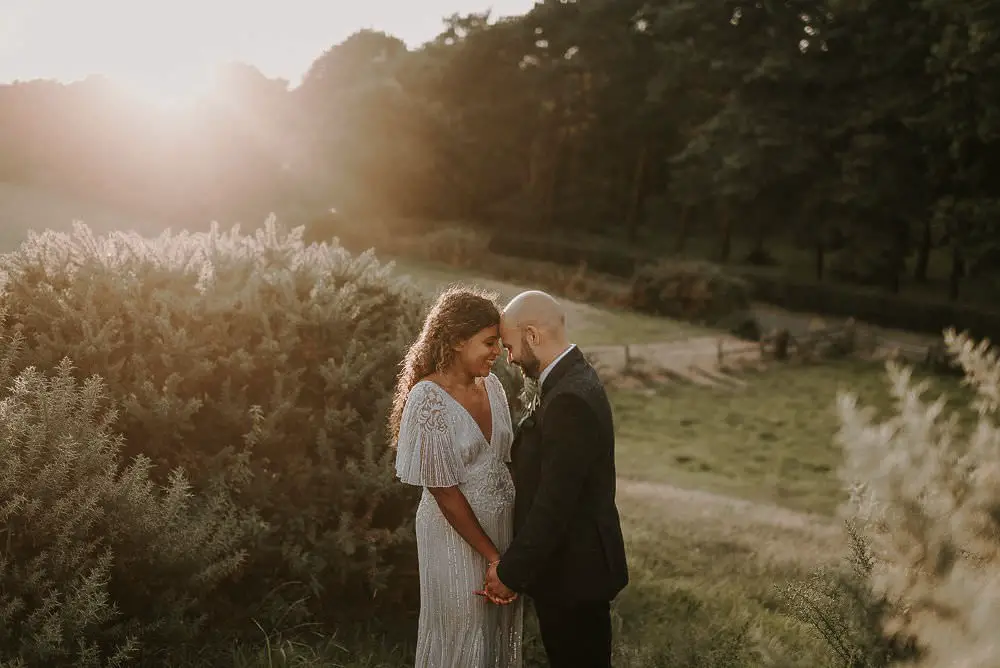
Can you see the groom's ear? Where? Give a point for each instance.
(531, 334)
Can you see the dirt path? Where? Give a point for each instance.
(777, 535)
(694, 360)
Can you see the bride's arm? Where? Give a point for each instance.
(426, 456)
(456, 509)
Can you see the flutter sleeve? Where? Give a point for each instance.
(426, 452)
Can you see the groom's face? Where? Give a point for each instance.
(520, 352)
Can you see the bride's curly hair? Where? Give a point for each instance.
(458, 314)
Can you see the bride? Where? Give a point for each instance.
(451, 426)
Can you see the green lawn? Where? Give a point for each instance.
(772, 442)
(588, 324)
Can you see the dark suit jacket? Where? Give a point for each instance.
(567, 533)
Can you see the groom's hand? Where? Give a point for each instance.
(497, 589)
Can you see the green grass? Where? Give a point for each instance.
(587, 324)
(772, 442)
(696, 599)
(693, 590)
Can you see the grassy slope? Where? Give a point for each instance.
(773, 442)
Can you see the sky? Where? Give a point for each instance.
(171, 45)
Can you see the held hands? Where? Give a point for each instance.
(494, 590)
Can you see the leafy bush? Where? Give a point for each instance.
(695, 291)
(926, 489)
(99, 563)
(259, 365)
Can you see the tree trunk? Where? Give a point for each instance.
(923, 253)
(820, 256)
(635, 201)
(957, 272)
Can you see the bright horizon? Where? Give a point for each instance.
(169, 47)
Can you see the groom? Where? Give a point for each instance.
(568, 553)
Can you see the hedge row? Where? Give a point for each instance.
(866, 304)
(873, 306)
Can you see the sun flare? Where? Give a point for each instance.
(169, 90)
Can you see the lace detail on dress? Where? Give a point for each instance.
(431, 411)
(426, 452)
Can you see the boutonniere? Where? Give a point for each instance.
(530, 404)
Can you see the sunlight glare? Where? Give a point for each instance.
(169, 90)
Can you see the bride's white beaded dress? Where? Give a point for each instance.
(441, 445)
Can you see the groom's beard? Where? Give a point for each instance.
(530, 365)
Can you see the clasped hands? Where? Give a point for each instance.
(494, 590)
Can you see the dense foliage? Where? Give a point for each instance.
(863, 133)
(695, 291)
(256, 367)
(100, 564)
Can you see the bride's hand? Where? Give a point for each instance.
(495, 599)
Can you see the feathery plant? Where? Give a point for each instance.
(925, 510)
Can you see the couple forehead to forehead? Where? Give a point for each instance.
(533, 314)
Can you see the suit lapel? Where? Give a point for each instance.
(562, 367)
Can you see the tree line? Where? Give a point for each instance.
(862, 132)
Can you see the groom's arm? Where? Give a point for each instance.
(570, 443)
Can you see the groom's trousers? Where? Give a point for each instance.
(575, 635)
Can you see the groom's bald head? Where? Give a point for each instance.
(537, 309)
(533, 329)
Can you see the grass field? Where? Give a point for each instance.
(771, 443)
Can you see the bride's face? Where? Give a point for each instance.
(478, 353)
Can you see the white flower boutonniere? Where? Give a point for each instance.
(528, 419)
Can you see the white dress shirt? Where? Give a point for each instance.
(552, 364)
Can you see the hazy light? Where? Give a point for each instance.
(164, 48)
